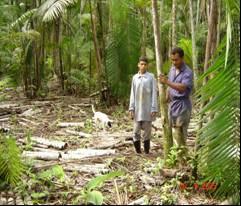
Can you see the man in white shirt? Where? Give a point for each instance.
(143, 104)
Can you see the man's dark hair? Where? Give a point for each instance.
(179, 51)
(143, 59)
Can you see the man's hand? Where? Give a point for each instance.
(163, 79)
(131, 113)
(153, 114)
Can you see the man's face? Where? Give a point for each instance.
(142, 66)
(176, 60)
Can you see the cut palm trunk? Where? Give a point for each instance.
(92, 169)
(85, 153)
(71, 124)
(4, 119)
(50, 143)
(42, 155)
(80, 134)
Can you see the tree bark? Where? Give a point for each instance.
(212, 34)
(198, 13)
(57, 59)
(174, 34)
(194, 49)
(211, 43)
(168, 141)
(144, 33)
(96, 46)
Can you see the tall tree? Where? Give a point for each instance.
(168, 141)
(194, 49)
(57, 54)
(212, 33)
(211, 43)
(174, 23)
(98, 59)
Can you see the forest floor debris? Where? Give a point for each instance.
(62, 141)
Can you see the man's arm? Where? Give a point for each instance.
(154, 96)
(177, 86)
(180, 87)
(132, 97)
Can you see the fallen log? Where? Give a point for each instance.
(24, 124)
(29, 121)
(39, 149)
(4, 119)
(23, 142)
(105, 142)
(30, 112)
(77, 109)
(85, 153)
(8, 106)
(80, 134)
(71, 124)
(50, 143)
(42, 155)
(92, 169)
(97, 93)
(82, 105)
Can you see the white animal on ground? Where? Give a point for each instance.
(101, 119)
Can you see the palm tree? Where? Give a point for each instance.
(219, 139)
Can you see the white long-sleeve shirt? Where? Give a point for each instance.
(143, 98)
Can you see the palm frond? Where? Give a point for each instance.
(219, 139)
(11, 166)
(123, 48)
(23, 18)
(53, 9)
(186, 45)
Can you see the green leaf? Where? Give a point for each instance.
(11, 165)
(95, 198)
(98, 181)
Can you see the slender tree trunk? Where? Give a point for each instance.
(211, 42)
(42, 57)
(212, 34)
(194, 49)
(162, 90)
(170, 42)
(105, 96)
(97, 49)
(144, 33)
(219, 21)
(90, 70)
(69, 54)
(174, 23)
(57, 58)
(198, 13)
